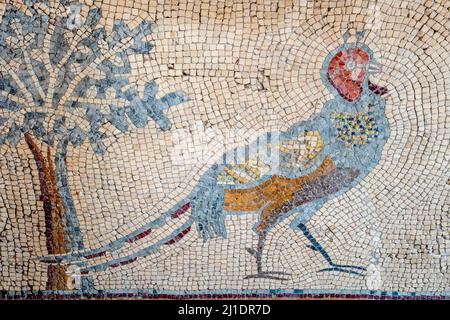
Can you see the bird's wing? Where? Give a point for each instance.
(300, 153)
(281, 154)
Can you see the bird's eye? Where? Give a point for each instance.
(350, 64)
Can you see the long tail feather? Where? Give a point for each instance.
(171, 239)
(138, 234)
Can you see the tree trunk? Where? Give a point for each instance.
(53, 209)
(61, 225)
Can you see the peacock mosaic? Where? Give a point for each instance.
(166, 149)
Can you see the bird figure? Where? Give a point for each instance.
(279, 174)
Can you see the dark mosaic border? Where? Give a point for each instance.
(38, 295)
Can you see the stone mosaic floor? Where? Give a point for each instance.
(224, 149)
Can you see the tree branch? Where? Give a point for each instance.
(97, 101)
(55, 10)
(83, 73)
(19, 82)
(29, 67)
(13, 98)
(57, 69)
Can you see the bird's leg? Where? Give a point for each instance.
(258, 252)
(258, 256)
(333, 266)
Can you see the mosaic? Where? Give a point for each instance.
(216, 149)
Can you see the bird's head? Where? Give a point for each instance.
(348, 67)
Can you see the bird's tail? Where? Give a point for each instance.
(168, 229)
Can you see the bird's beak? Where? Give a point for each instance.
(373, 67)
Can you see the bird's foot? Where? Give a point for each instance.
(275, 275)
(356, 270)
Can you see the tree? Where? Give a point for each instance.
(63, 78)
